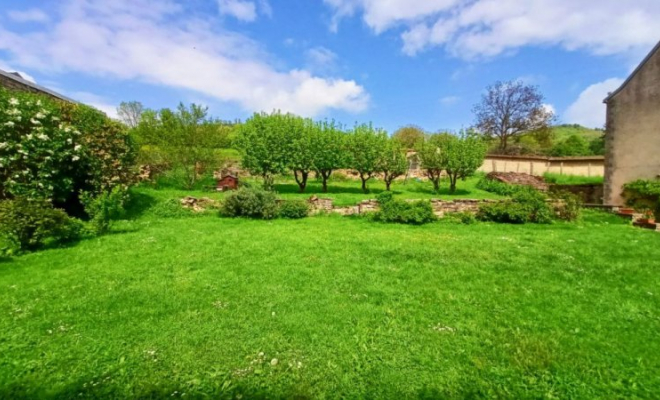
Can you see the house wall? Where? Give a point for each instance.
(633, 131)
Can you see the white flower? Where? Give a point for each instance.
(3, 145)
(75, 158)
(34, 121)
(13, 111)
(43, 137)
(9, 124)
(13, 101)
(77, 147)
(29, 136)
(40, 115)
(69, 141)
(38, 102)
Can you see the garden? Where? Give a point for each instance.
(112, 288)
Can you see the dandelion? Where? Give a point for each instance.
(13, 101)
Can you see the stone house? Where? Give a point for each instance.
(633, 129)
(14, 81)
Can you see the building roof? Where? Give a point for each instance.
(18, 78)
(639, 68)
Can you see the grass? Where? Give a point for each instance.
(573, 179)
(344, 191)
(349, 309)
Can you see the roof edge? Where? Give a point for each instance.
(656, 49)
(35, 86)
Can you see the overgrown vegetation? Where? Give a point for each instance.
(403, 212)
(251, 203)
(644, 195)
(526, 206)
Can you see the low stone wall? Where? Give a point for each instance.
(440, 207)
(589, 193)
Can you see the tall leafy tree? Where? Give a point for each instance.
(183, 138)
(365, 147)
(301, 160)
(393, 162)
(410, 136)
(431, 157)
(461, 156)
(329, 147)
(265, 146)
(510, 109)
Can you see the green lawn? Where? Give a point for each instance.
(348, 308)
(344, 192)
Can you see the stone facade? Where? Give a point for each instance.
(633, 129)
(12, 81)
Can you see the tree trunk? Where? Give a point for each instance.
(268, 182)
(325, 175)
(436, 184)
(364, 183)
(388, 183)
(503, 144)
(302, 181)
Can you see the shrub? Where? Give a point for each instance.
(527, 205)
(102, 209)
(497, 187)
(51, 150)
(463, 217)
(403, 212)
(28, 225)
(250, 203)
(171, 208)
(643, 195)
(568, 206)
(294, 209)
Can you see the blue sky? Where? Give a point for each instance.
(393, 62)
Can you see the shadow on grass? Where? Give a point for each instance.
(138, 204)
(286, 188)
(102, 389)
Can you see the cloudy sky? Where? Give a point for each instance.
(393, 62)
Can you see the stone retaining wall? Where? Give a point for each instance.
(440, 207)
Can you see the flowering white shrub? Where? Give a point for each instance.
(51, 150)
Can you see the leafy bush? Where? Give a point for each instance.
(28, 225)
(50, 150)
(527, 205)
(497, 187)
(102, 209)
(403, 212)
(171, 208)
(643, 195)
(463, 217)
(250, 203)
(568, 207)
(294, 209)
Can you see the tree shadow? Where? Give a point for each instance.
(138, 204)
(286, 188)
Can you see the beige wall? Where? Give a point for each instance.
(582, 166)
(633, 131)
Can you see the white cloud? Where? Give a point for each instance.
(588, 109)
(484, 28)
(98, 102)
(31, 15)
(449, 100)
(550, 108)
(321, 60)
(245, 10)
(154, 42)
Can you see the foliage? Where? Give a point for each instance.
(560, 179)
(170, 208)
(365, 146)
(572, 146)
(510, 109)
(431, 157)
(301, 136)
(130, 113)
(264, 145)
(527, 205)
(251, 203)
(329, 150)
(184, 139)
(29, 224)
(294, 209)
(103, 208)
(403, 212)
(51, 150)
(568, 206)
(495, 186)
(410, 136)
(644, 195)
(393, 162)
(461, 156)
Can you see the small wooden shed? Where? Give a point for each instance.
(227, 182)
